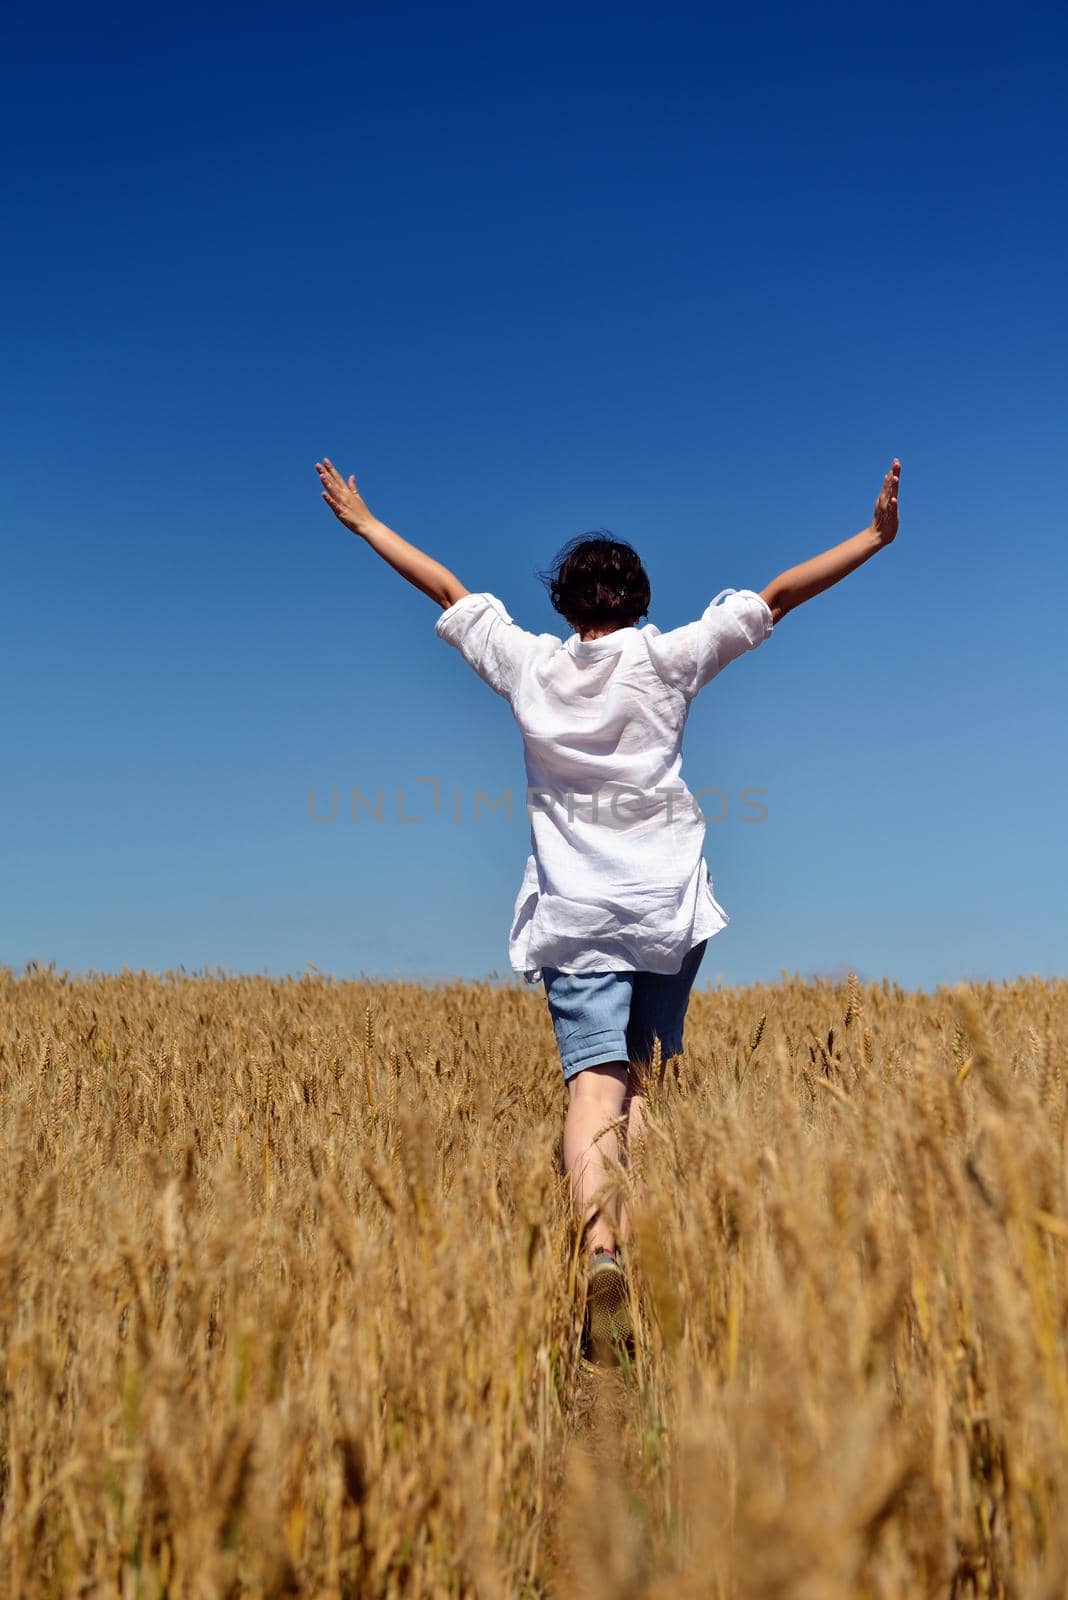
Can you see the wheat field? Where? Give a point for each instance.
(290, 1297)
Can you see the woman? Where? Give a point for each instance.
(616, 904)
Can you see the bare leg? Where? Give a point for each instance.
(634, 1110)
(596, 1096)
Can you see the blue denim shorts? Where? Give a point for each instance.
(617, 1016)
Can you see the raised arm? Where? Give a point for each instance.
(421, 570)
(800, 583)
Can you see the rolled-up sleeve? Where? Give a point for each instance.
(689, 657)
(488, 639)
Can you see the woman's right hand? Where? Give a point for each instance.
(343, 498)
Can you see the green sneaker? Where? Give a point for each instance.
(607, 1306)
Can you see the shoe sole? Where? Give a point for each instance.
(609, 1310)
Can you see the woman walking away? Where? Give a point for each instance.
(616, 904)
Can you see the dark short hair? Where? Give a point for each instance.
(595, 579)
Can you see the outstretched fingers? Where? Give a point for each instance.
(329, 473)
(888, 492)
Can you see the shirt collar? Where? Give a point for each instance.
(608, 644)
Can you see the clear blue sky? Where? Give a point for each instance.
(691, 273)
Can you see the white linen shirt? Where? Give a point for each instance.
(616, 880)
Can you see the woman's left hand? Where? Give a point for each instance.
(884, 520)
